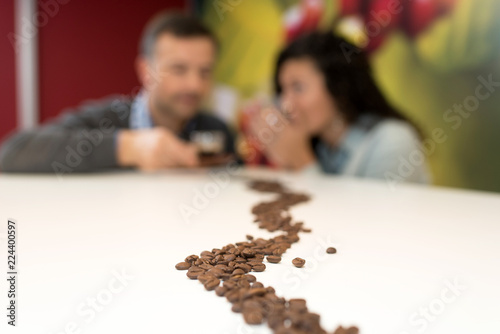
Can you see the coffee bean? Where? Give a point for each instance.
(191, 258)
(245, 267)
(252, 304)
(216, 272)
(229, 285)
(229, 257)
(238, 271)
(183, 266)
(194, 272)
(237, 308)
(276, 322)
(274, 259)
(232, 296)
(205, 266)
(278, 252)
(207, 253)
(253, 262)
(221, 291)
(253, 317)
(350, 330)
(258, 267)
(225, 276)
(248, 252)
(297, 305)
(222, 267)
(267, 186)
(212, 284)
(255, 292)
(205, 277)
(240, 260)
(331, 250)
(298, 262)
(251, 278)
(243, 283)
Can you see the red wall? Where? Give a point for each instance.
(7, 70)
(87, 50)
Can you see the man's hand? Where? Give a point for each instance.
(154, 149)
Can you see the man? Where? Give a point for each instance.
(149, 132)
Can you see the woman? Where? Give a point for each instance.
(333, 116)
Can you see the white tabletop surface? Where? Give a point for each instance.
(410, 260)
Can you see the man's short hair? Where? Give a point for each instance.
(175, 23)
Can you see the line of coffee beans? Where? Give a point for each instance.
(227, 270)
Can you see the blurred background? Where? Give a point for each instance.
(438, 61)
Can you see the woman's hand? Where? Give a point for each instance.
(284, 140)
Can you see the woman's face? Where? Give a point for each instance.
(305, 95)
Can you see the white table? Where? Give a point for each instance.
(399, 251)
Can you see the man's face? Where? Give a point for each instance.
(179, 75)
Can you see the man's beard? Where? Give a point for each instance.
(172, 109)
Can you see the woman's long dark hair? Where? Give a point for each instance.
(347, 74)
